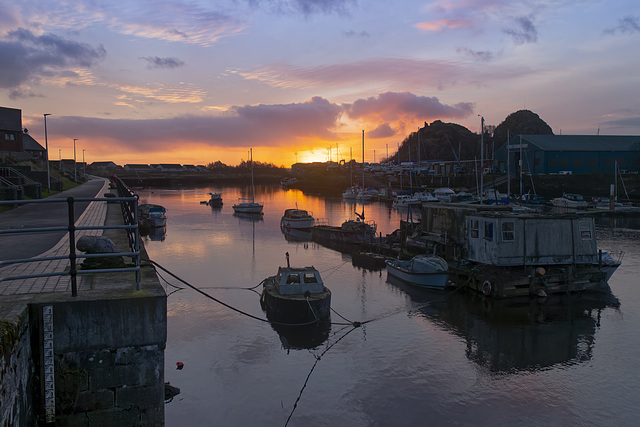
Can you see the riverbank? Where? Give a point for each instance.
(333, 182)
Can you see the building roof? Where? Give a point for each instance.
(103, 164)
(10, 119)
(580, 142)
(30, 144)
(136, 166)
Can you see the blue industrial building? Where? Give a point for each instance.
(576, 154)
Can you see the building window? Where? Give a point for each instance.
(552, 162)
(622, 161)
(475, 228)
(508, 231)
(585, 230)
(607, 162)
(9, 137)
(578, 161)
(488, 230)
(593, 161)
(564, 162)
(536, 162)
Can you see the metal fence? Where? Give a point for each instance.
(130, 214)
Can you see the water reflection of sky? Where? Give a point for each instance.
(427, 358)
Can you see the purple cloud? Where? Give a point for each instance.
(157, 62)
(27, 57)
(525, 31)
(391, 106)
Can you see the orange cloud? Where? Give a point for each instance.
(442, 24)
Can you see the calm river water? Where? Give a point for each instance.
(426, 358)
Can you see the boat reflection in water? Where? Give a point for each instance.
(518, 334)
(296, 235)
(294, 337)
(156, 234)
(251, 217)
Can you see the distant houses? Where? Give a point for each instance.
(163, 168)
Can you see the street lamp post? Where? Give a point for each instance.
(60, 158)
(84, 165)
(481, 159)
(46, 149)
(75, 178)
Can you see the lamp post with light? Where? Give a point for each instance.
(84, 165)
(46, 149)
(75, 178)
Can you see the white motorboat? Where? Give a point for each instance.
(404, 200)
(426, 271)
(425, 196)
(350, 193)
(570, 201)
(444, 194)
(297, 219)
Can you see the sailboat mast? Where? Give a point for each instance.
(363, 160)
(253, 190)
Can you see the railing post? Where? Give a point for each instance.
(72, 247)
(137, 241)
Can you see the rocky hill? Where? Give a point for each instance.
(450, 141)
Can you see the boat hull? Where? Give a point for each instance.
(250, 208)
(296, 309)
(296, 219)
(431, 280)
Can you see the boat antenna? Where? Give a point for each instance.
(287, 255)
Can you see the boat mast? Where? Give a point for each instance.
(253, 190)
(363, 161)
(481, 159)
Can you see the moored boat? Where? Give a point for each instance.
(296, 296)
(570, 201)
(215, 200)
(298, 219)
(404, 200)
(444, 194)
(249, 205)
(152, 215)
(426, 271)
(351, 231)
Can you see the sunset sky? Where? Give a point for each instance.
(196, 81)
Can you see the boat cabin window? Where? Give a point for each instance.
(310, 278)
(475, 228)
(488, 230)
(508, 231)
(293, 278)
(585, 230)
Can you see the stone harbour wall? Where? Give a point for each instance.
(108, 360)
(16, 370)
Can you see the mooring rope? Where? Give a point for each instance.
(155, 264)
(295, 405)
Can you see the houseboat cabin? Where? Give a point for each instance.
(528, 240)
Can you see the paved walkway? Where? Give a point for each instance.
(94, 215)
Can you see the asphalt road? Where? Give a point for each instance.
(37, 215)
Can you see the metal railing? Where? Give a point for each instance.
(131, 227)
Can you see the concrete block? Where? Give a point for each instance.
(114, 418)
(114, 376)
(139, 397)
(75, 420)
(87, 359)
(94, 400)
